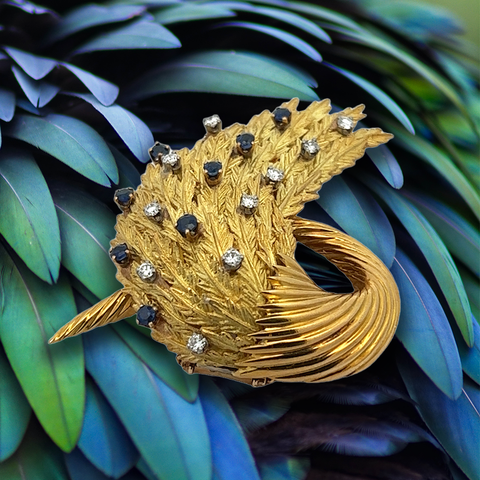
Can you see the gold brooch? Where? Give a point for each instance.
(205, 250)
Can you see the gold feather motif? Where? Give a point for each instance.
(264, 319)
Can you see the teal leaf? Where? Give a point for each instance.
(104, 440)
(378, 94)
(86, 227)
(7, 105)
(14, 410)
(51, 376)
(80, 468)
(187, 12)
(27, 106)
(29, 222)
(455, 423)
(105, 92)
(292, 19)
(223, 72)
(284, 468)
(472, 287)
(39, 93)
(34, 66)
(136, 135)
(359, 215)
(459, 235)
(470, 356)
(434, 157)
(387, 165)
(128, 174)
(435, 252)
(281, 35)
(149, 410)
(36, 459)
(160, 361)
(139, 35)
(69, 140)
(424, 329)
(30, 7)
(226, 437)
(87, 16)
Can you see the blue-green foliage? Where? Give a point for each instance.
(83, 94)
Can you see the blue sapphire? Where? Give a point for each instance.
(124, 197)
(146, 315)
(120, 254)
(187, 225)
(245, 143)
(158, 150)
(213, 172)
(282, 117)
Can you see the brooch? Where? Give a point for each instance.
(205, 250)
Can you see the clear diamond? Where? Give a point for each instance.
(275, 174)
(153, 210)
(232, 259)
(171, 160)
(197, 343)
(310, 148)
(212, 123)
(249, 202)
(345, 125)
(146, 271)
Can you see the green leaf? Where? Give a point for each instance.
(435, 79)
(441, 163)
(86, 227)
(222, 72)
(281, 35)
(160, 360)
(459, 236)
(378, 94)
(36, 459)
(38, 92)
(14, 410)
(29, 222)
(136, 135)
(435, 252)
(284, 468)
(187, 12)
(70, 141)
(87, 16)
(139, 35)
(33, 65)
(52, 376)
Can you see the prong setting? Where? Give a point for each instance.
(248, 203)
(146, 271)
(232, 260)
(197, 343)
(310, 149)
(124, 198)
(212, 124)
(345, 125)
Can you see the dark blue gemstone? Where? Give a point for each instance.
(146, 315)
(158, 150)
(187, 224)
(281, 116)
(120, 254)
(212, 169)
(124, 197)
(245, 142)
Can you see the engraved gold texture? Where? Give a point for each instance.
(266, 321)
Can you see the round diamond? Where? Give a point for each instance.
(232, 259)
(248, 203)
(153, 211)
(171, 160)
(146, 315)
(146, 271)
(309, 148)
(197, 343)
(212, 124)
(275, 175)
(345, 125)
